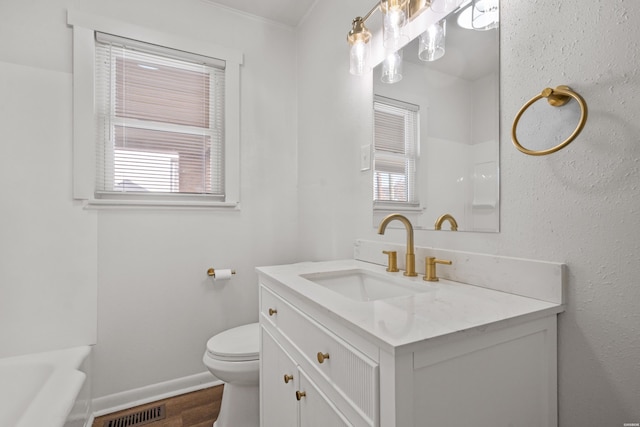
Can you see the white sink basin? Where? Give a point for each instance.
(364, 285)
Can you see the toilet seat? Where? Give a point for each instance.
(236, 345)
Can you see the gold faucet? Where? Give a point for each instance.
(446, 217)
(411, 256)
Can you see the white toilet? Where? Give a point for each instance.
(233, 357)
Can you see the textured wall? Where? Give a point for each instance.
(579, 206)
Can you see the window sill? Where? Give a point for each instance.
(384, 207)
(98, 204)
(412, 212)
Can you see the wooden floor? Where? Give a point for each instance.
(196, 409)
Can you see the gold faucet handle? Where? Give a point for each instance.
(430, 268)
(392, 265)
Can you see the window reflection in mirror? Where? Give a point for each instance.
(457, 95)
(395, 147)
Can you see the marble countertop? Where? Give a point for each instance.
(396, 323)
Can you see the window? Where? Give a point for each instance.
(395, 152)
(160, 117)
(156, 117)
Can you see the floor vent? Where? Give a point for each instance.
(139, 418)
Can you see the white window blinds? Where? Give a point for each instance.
(160, 120)
(395, 151)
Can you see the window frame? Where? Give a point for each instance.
(84, 114)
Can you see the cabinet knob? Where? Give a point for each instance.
(322, 356)
(300, 394)
(272, 311)
(287, 378)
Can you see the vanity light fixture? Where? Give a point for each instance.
(394, 17)
(480, 15)
(431, 46)
(360, 51)
(485, 15)
(392, 67)
(444, 5)
(473, 14)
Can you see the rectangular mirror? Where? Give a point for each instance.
(455, 165)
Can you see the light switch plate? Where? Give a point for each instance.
(365, 157)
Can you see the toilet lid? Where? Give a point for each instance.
(236, 344)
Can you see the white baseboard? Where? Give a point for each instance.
(151, 393)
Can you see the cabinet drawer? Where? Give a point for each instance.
(349, 371)
(273, 309)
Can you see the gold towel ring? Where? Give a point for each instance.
(556, 97)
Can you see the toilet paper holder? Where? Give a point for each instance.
(212, 272)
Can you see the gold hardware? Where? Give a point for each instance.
(430, 267)
(322, 357)
(300, 394)
(387, 5)
(392, 265)
(212, 272)
(415, 6)
(272, 311)
(287, 378)
(556, 97)
(410, 256)
(446, 217)
(418, 6)
(360, 31)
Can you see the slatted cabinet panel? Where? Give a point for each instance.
(315, 408)
(278, 405)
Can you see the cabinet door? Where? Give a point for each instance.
(278, 384)
(315, 409)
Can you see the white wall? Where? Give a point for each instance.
(484, 190)
(485, 102)
(157, 307)
(48, 244)
(578, 206)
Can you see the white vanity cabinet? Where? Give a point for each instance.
(289, 397)
(279, 383)
(456, 355)
(309, 374)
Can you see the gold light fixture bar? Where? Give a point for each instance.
(416, 7)
(376, 7)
